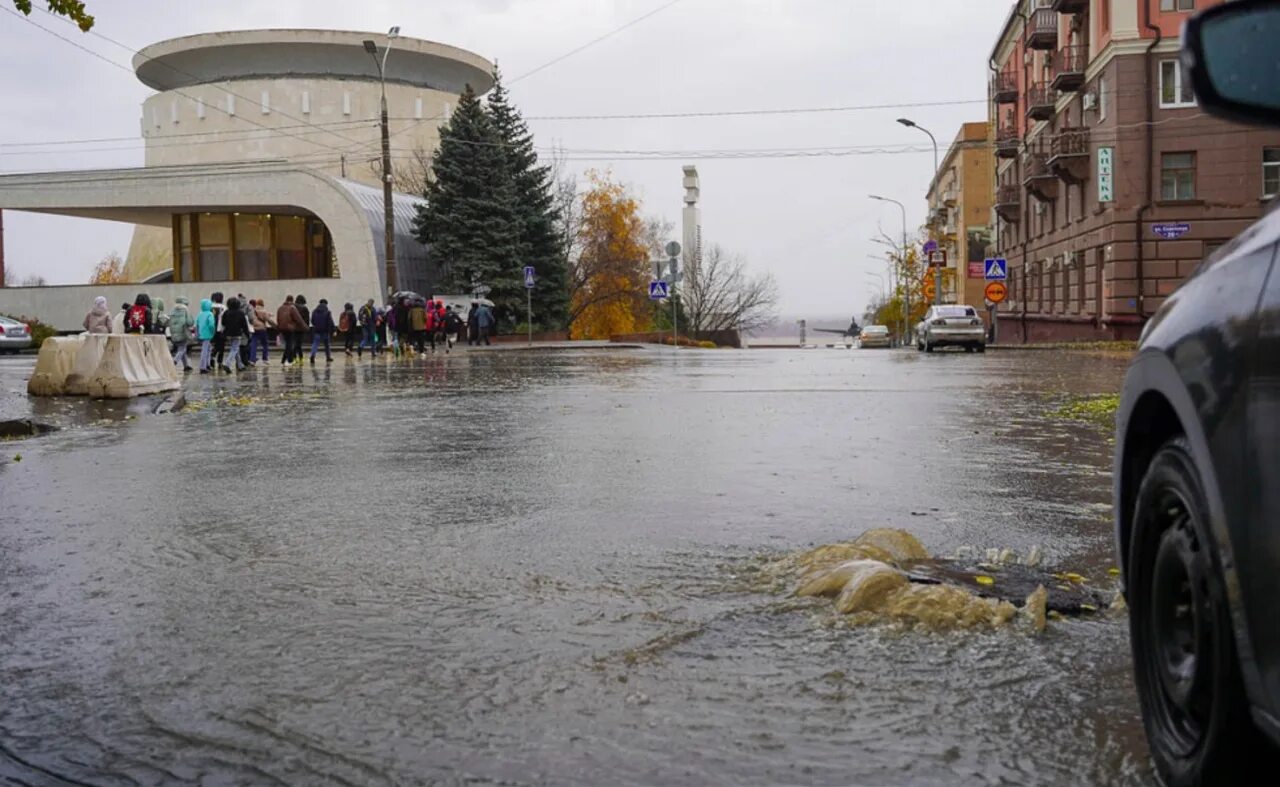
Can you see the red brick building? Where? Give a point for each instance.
(1111, 184)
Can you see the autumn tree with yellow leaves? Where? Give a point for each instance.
(109, 270)
(609, 272)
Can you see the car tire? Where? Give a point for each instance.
(968, 348)
(980, 348)
(1186, 667)
(919, 346)
(928, 346)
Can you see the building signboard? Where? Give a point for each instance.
(1106, 174)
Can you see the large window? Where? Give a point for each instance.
(1174, 90)
(185, 245)
(1177, 176)
(250, 247)
(253, 246)
(1270, 172)
(291, 247)
(1177, 5)
(215, 246)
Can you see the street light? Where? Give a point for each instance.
(933, 179)
(906, 289)
(388, 217)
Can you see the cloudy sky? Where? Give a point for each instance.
(806, 219)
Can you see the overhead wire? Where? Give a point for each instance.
(138, 53)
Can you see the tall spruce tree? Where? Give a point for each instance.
(469, 220)
(536, 219)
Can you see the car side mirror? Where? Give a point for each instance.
(1230, 53)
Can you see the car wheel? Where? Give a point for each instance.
(968, 348)
(1185, 664)
(919, 346)
(928, 346)
(980, 348)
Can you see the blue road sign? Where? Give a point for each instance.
(1171, 231)
(528, 276)
(658, 290)
(930, 246)
(996, 268)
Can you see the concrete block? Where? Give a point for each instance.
(90, 355)
(133, 365)
(56, 360)
(1160, 269)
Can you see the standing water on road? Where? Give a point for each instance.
(526, 568)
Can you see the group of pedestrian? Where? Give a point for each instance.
(233, 333)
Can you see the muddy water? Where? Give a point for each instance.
(526, 568)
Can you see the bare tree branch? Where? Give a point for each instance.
(719, 294)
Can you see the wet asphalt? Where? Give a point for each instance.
(526, 568)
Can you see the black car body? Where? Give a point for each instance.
(1197, 466)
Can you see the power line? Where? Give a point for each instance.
(111, 62)
(593, 42)
(171, 67)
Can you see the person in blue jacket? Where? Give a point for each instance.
(206, 327)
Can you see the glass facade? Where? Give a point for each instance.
(250, 247)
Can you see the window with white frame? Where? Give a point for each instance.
(1177, 5)
(1174, 90)
(1270, 172)
(1177, 176)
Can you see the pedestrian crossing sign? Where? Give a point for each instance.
(997, 268)
(658, 290)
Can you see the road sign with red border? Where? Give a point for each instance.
(996, 291)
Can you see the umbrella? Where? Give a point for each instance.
(484, 302)
(410, 294)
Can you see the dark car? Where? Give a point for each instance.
(1197, 481)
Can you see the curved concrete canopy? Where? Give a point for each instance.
(310, 54)
(351, 212)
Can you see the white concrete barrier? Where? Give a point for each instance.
(95, 344)
(133, 365)
(57, 358)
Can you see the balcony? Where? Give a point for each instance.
(1070, 6)
(1004, 88)
(1040, 101)
(1007, 141)
(1042, 29)
(1069, 154)
(1037, 177)
(1008, 202)
(1069, 64)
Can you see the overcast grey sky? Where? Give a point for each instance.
(807, 220)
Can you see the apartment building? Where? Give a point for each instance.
(960, 212)
(1110, 184)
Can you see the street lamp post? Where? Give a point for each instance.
(902, 277)
(937, 289)
(388, 217)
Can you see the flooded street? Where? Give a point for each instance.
(527, 567)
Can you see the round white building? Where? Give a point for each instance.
(308, 97)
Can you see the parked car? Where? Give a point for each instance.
(1197, 466)
(951, 325)
(874, 336)
(14, 336)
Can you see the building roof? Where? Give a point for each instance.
(307, 54)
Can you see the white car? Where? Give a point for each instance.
(952, 325)
(14, 336)
(873, 336)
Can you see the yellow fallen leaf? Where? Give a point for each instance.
(1073, 577)
(983, 579)
(1113, 571)
(1088, 608)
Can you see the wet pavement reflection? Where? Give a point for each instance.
(525, 568)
